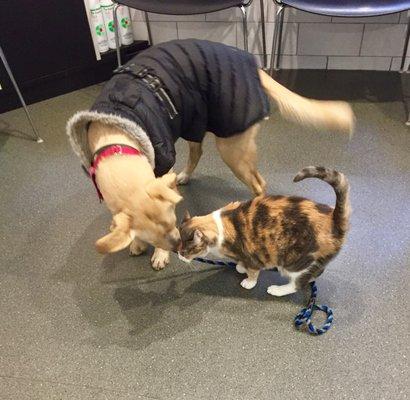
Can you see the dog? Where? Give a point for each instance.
(179, 89)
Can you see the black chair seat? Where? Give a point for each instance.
(350, 8)
(182, 7)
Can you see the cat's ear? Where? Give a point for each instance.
(198, 235)
(187, 216)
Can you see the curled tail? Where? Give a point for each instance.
(333, 115)
(338, 181)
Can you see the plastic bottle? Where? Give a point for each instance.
(97, 22)
(125, 25)
(107, 11)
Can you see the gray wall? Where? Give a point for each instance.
(310, 41)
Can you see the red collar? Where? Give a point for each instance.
(107, 151)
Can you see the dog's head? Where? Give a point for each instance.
(152, 219)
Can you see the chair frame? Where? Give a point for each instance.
(277, 38)
(36, 137)
(243, 8)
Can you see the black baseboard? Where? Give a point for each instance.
(66, 81)
(374, 86)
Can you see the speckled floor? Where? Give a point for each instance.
(76, 325)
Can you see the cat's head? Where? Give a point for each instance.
(194, 240)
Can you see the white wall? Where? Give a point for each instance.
(310, 41)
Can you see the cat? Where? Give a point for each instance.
(293, 234)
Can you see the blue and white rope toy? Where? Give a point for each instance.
(305, 315)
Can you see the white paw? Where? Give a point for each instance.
(240, 268)
(248, 283)
(137, 248)
(279, 291)
(160, 259)
(182, 178)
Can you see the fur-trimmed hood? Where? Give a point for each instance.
(78, 124)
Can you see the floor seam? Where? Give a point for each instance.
(102, 388)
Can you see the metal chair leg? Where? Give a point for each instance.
(279, 51)
(151, 42)
(13, 81)
(265, 55)
(117, 34)
(277, 39)
(406, 99)
(245, 27)
(403, 70)
(406, 45)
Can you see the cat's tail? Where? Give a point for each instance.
(338, 181)
(332, 115)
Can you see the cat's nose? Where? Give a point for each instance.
(176, 244)
(175, 240)
(179, 247)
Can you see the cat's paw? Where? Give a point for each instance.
(182, 178)
(137, 247)
(160, 259)
(248, 283)
(282, 290)
(240, 268)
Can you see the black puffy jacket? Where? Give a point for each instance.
(213, 87)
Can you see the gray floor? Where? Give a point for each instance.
(76, 325)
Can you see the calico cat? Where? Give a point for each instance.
(293, 234)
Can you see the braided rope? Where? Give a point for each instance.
(304, 317)
(230, 264)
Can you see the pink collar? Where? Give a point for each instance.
(108, 151)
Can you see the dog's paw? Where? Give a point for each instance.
(240, 268)
(159, 259)
(182, 178)
(248, 283)
(137, 247)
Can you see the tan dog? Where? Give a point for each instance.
(143, 207)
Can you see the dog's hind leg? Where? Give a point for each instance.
(195, 153)
(240, 155)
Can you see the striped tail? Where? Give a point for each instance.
(338, 181)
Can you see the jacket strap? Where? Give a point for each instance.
(153, 82)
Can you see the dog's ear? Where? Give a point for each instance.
(161, 188)
(187, 216)
(119, 238)
(170, 180)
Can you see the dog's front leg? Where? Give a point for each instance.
(137, 247)
(159, 259)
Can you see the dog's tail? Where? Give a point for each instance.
(338, 181)
(332, 115)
